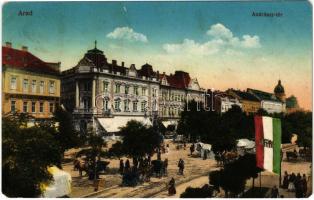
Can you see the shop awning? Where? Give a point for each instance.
(113, 124)
(167, 123)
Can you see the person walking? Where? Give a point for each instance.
(127, 165)
(181, 166)
(285, 182)
(121, 167)
(192, 148)
(172, 188)
(274, 192)
(291, 186)
(304, 184)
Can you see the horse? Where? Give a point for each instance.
(80, 166)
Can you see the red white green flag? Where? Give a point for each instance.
(268, 143)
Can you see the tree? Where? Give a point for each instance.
(26, 154)
(139, 140)
(232, 178)
(202, 192)
(67, 136)
(117, 150)
(299, 123)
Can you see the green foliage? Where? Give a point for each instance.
(139, 140)
(233, 176)
(203, 192)
(299, 123)
(223, 130)
(66, 135)
(117, 150)
(95, 144)
(26, 154)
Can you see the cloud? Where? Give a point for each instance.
(220, 31)
(191, 47)
(222, 39)
(127, 33)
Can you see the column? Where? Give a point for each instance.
(77, 96)
(93, 93)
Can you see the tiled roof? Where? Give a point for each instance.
(26, 61)
(263, 95)
(179, 80)
(245, 95)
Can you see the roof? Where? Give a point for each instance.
(24, 60)
(245, 95)
(279, 88)
(264, 95)
(179, 80)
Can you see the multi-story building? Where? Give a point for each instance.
(104, 96)
(29, 84)
(269, 102)
(250, 103)
(175, 90)
(223, 102)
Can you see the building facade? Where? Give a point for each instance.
(250, 104)
(104, 96)
(269, 102)
(175, 90)
(224, 102)
(29, 85)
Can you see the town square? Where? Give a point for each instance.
(157, 99)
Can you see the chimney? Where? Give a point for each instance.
(114, 62)
(133, 65)
(8, 44)
(122, 64)
(24, 48)
(164, 73)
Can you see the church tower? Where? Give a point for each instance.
(280, 92)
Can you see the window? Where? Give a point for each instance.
(13, 83)
(143, 91)
(105, 104)
(135, 106)
(13, 106)
(33, 107)
(25, 106)
(117, 90)
(41, 107)
(117, 105)
(51, 87)
(51, 107)
(33, 86)
(25, 85)
(41, 87)
(143, 106)
(154, 92)
(126, 105)
(106, 84)
(135, 90)
(126, 90)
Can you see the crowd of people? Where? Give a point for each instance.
(295, 183)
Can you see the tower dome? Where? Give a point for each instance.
(279, 89)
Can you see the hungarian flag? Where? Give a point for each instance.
(268, 143)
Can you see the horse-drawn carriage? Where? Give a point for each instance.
(88, 167)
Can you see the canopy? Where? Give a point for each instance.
(113, 124)
(249, 144)
(167, 123)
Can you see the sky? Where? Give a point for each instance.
(219, 43)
